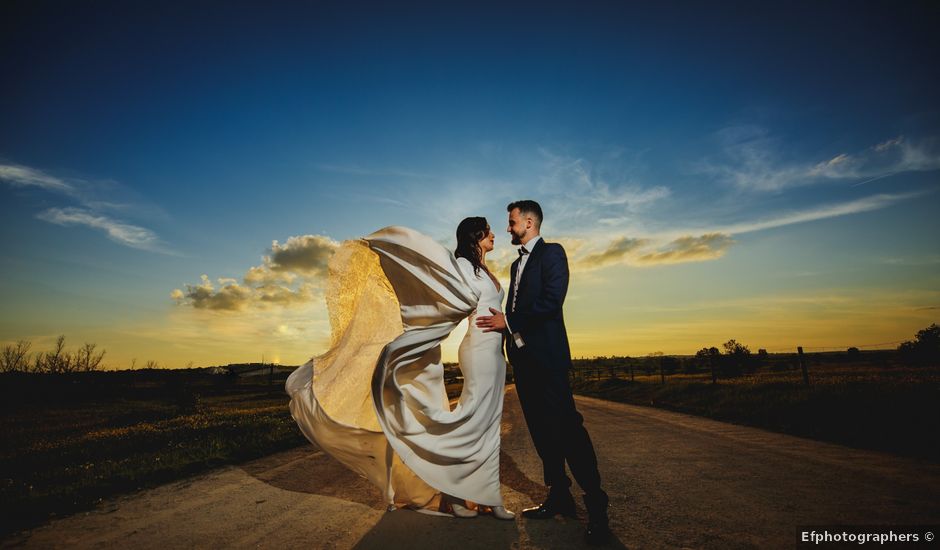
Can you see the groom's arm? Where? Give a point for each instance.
(554, 288)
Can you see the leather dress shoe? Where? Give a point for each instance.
(550, 508)
(598, 528)
(597, 533)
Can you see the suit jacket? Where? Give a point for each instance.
(538, 315)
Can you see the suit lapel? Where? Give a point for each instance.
(531, 262)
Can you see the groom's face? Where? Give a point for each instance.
(517, 226)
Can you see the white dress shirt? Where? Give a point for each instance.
(515, 289)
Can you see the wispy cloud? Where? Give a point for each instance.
(120, 232)
(93, 207)
(689, 249)
(698, 244)
(292, 274)
(751, 159)
(584, 193)
(24, 176)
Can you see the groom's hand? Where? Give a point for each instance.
(492, 323)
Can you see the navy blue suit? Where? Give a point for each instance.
(540, 368)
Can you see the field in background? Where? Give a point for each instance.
(70, 440)
(869, 400)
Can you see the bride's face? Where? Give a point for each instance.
(486, 243)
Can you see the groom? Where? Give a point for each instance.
(537, 348)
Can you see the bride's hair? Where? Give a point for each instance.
(469, 234)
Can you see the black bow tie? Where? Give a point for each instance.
(522, 251)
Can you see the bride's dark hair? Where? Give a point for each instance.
(469, 234)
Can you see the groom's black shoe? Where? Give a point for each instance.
(598, 528)
(556, 503)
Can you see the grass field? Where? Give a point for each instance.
(891, 408)
(71, 440)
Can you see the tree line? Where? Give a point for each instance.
(18, 358)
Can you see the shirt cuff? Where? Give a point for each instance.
(515, 335)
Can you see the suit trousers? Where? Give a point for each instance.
(556, 426)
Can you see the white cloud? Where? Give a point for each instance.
(89, 194)
(751, 160)
(23, 176)
(292, 274)
(120, 232)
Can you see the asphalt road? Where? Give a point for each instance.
(676, 481)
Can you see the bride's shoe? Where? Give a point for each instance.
(461, 511)
(457, 507)
(501, 513)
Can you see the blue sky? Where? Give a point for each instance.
(716, 170)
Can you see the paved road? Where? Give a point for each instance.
(676, 481)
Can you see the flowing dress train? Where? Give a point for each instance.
(376, 400)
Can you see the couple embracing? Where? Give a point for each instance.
(377, 401)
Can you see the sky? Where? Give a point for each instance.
(174, 176)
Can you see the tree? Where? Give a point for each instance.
(708, 358)
(736, 359)
(15, 358)
(924, 349)
(86, 359)
(56, 361)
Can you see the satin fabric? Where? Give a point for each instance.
(376, 400)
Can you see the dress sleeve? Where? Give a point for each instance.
(466, 268)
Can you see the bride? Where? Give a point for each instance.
(376, 400)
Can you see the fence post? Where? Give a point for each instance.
(662, 370)
(799, 350)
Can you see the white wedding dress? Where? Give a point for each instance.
(376, 400)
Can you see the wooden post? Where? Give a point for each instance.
(662, 371)
(711, 364)
(631, 371)
(799, 351)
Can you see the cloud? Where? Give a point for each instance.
(864, 204)
(689, 249)
(23, 176)
(586, 193)
(94, 198)
(614, 253)
(682, 245)
(305, 254)
(292, 274)
(120, 232)
(229, 297)
(750, 160)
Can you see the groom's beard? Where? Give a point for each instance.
(516, 239)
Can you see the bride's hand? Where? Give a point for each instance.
(492, 323)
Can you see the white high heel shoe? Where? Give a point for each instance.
(461, 511)
(501, 513)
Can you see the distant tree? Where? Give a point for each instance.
(86, 359)
(652, 362)
(709, 359)
(924, 349)
(15, 357)
(56, 361)
(852, 354)
(133, 363)
(669, 364)
(151, 364)
(736, 359)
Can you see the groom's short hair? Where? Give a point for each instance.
(528, 207)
